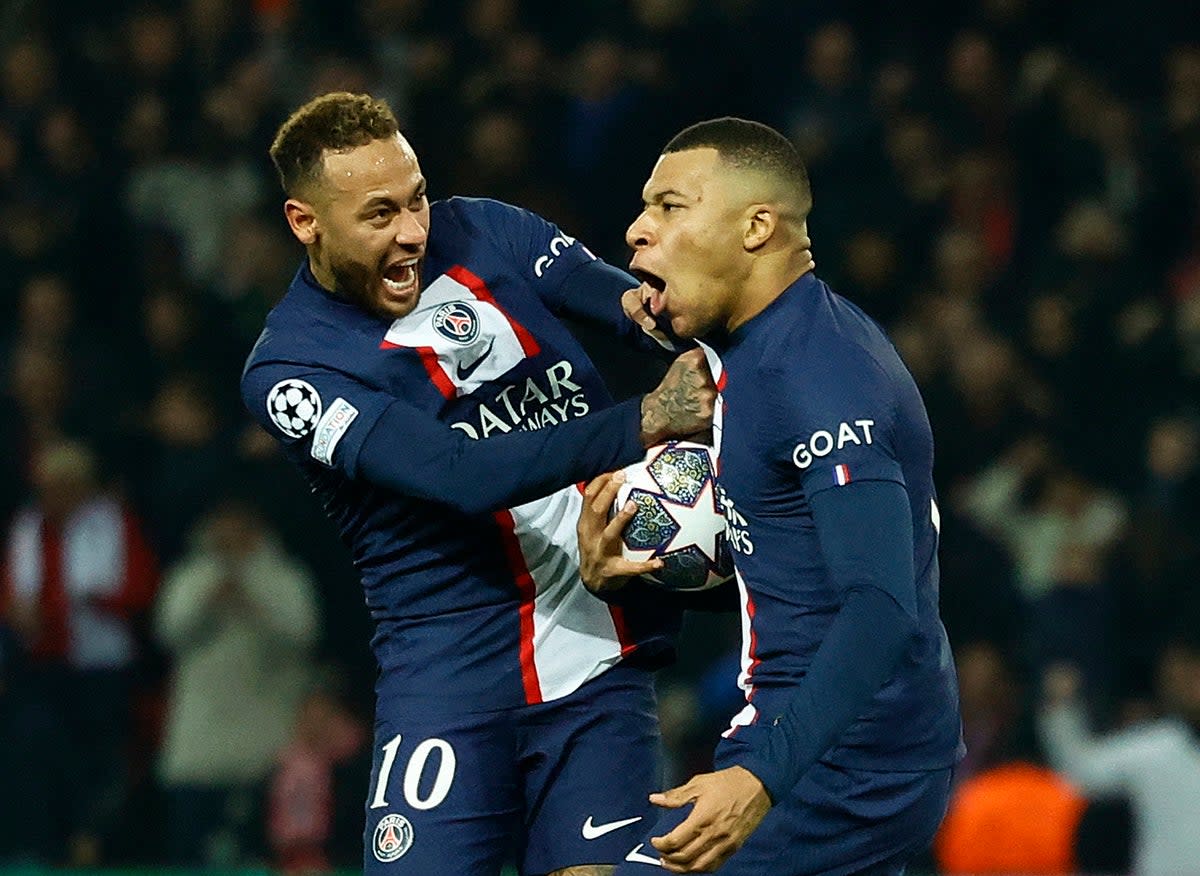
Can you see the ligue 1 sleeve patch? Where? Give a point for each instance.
(294, 406)
(330, 429)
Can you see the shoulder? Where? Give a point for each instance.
(306, 331)
(478, 215)
(1153, 739)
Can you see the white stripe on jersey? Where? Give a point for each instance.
(749, 714)
(574, 637)
(494, 351)
(718, 421)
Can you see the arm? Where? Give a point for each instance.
(281, 593)
(185, 604)
(865, 531)
(414, 454)
(370, 435)
(568, 278)
(1098, 766)
(866, 537)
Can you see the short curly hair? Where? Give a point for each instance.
(336, 121)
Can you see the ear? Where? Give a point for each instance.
(760, 228)
(302, 219)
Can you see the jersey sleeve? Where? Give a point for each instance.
(318, 413)
(329, 418)
(569, 279)
(837, 423)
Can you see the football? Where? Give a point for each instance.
(678, 519)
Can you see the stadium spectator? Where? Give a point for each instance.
(77, 575)
(315, 792)
(239, 619)
(1156, 764)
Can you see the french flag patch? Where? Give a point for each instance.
(841, 475)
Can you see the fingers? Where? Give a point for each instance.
(675, 797)
(633, 303)
(603, 500)
(616, 526)
(683, 836)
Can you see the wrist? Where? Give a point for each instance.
(652, 431)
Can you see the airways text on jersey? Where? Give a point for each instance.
(540, 400)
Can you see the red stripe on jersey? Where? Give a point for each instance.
(440, 378)
(479, 289)
(528, 591)
(752, 650)
(724, 380)
(628, 643)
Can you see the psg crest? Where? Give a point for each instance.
(457, 321)
(392, 838)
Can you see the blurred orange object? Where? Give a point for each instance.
(1014, 818)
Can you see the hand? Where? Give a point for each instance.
(682, 404)
(727, 807)
(601, 565)
(1061, 684)
(633, 302)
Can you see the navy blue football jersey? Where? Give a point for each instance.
(475, 607)
(812, 397)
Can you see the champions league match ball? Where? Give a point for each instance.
(678, 518)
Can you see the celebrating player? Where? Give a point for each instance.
(508, 696)
(840, 761)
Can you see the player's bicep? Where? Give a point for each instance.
(866, 537)
(836, 430)
(322, 415)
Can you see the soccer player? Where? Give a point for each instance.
(840, 761)
(416, 373)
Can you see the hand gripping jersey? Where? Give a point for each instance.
(814, 397)
(473, 607)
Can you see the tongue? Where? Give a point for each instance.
(399, 273)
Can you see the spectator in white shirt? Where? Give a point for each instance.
(1155, 765)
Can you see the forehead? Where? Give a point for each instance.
(380, 167)
(690, 173)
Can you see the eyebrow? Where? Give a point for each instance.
(659, 197)
(378, 199)
(388, 199)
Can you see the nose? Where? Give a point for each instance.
(638, 235)
(412, 232)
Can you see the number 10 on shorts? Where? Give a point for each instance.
(414, 771)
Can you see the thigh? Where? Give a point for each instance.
(443, 799)
(835, 822)
(590, 760)
(843, 822)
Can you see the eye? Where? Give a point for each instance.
(418, 203)
(668, 207)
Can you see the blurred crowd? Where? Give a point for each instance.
(1012, 187)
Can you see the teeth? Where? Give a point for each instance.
(404, 285)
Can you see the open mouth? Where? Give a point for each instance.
(400, 278)
(654, 290)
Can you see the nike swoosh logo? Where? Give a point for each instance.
(635, 856)
(592, 831)
(467, 371)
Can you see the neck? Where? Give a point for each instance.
(759, 291)
(322, 274)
